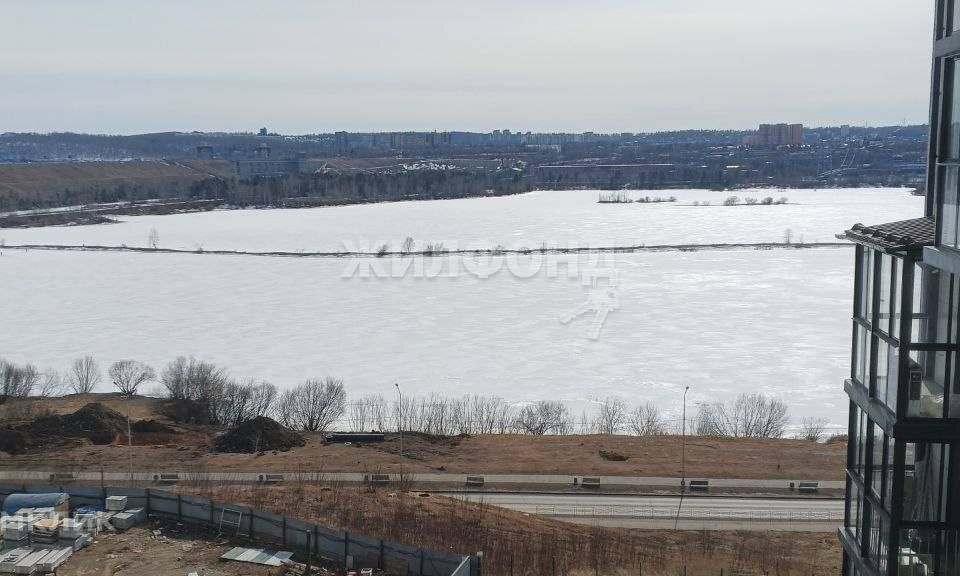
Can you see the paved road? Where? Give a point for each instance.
(695, 512)
(515, 479)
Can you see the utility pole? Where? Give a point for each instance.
(400, 416)
(683, 460)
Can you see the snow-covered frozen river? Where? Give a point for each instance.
(554, 218)
(722, 322)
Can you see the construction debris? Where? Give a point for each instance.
(257, 556)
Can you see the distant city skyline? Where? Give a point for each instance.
(302, 67)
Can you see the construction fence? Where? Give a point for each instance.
(304, 539)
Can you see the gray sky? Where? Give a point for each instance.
(303, 66)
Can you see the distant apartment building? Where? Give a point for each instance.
(903, 461)
(773, 135)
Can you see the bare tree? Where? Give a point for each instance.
(153, 239)
(314, 405)
(85, 375)
(408, 244)
(813, 429)
(647, 420)
(749, 416)
(51, 384)
(543, 417)
(611, 417)
(129, 375)
(17, 381)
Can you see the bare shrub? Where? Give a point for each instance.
(544, 417)
(647, 420)
(611, 417)
(748, 416)
(128, 375)
(197, 382)
(243, 401)
(85, 375)
(731, 201)
(813, 429)
(314, 405)
(17, 381)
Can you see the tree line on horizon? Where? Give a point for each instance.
(203, 393)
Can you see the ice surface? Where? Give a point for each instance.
(722, 322)
(556, 218)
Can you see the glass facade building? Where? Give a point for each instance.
(903, 461)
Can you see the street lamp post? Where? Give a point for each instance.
(400, 416)
(683, 459)
(683, 444)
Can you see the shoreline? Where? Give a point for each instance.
(439, 253)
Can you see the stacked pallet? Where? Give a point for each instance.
(34, 560)
(16, 534)
(46, 531)
(54, 559)
(10, 559)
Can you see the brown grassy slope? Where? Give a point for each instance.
(521, 544)
(574, 455)
(42, 180)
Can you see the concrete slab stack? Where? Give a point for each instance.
(128, 519)
(116, 503)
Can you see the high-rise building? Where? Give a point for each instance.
(903, 462)
(773, 135)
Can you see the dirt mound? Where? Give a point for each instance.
(13, 441)
(152, 427)
(94, 422)
(259, 435)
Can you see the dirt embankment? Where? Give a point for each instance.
(190, 450)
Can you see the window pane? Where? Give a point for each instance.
(861, 360)
(888, 486)
(880, 391)
(949, 179)
(887, 364)
(955, 396)
(918, 549)
(874, 537)
(892, 367)
(928, 375)
(897, 297)
(876, 473)
(953, 111)
(932, 306)
(950, 553)
(922, 481)
(886, 277)
(865, 269)
(853, 508)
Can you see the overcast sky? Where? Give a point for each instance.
(305, 66)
